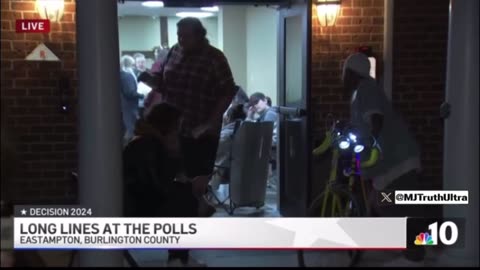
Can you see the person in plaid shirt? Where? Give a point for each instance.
(196, 78)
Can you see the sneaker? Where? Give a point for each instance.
(403, 262)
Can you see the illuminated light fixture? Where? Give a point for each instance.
(50, 9)
(194, 14)
(210, 9)
(327, 11)
(153, 4)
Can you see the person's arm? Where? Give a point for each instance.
(225, 90)
(129, 86)
(272, 116)
(371, 107)
(376, 121)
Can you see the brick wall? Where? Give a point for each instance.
(419, 73)
(45, 138)
(360, 22)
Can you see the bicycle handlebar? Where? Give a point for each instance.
(327, 142)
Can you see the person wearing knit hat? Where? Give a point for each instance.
(397, 169)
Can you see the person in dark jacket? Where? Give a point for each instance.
(154, 182)
(129, 96)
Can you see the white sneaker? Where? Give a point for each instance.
(403, 262)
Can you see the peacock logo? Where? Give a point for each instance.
(424, 239)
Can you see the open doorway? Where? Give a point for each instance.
(251, 37)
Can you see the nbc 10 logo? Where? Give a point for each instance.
(445, 233)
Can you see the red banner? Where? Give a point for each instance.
(32, 26)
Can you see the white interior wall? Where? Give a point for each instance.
(261, 28)
(138, 33)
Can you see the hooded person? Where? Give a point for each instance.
(372, 115)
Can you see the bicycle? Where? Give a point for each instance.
(339, 198)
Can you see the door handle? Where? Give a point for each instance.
(290, 111)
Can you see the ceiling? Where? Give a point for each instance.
(135, 8)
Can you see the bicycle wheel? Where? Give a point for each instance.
(325, 205)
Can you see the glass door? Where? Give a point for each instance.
(294, 143)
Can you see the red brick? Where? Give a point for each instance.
(23, 6)
(15, 74)
(11, 15)
(40, 92)
(68, 27)
(5, 5)
(31, 15)
(11, 35)
(53, 156)
(372, 11)
(53, 138)
(347, 3)
(362, 3)
(378, 20)
(344, 21)
(69, 7)
(68, 17)
(376, 38)
(65, 147)
(351, 12)
(27, 101)
(341, 38)
(372, 29)
(361, 38)
(60, 37)
(64, 128)
(5, 83)
(6, 26)
(41, 147)
(352, 29)
(14, 92)
(19, 83)
(68, 46)
(52, 174)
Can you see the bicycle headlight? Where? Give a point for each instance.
(352, 137)
(358, 148)
(344, 144)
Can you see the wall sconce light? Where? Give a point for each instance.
(50, 9)
(327, 11)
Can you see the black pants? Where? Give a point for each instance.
(199, 155)
(199, 159)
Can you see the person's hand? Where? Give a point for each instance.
(208, 129)
(199, 185)
(251, 112)
(200, 131)
(144, 77)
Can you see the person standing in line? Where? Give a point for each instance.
(129, 96)
(196, 78)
